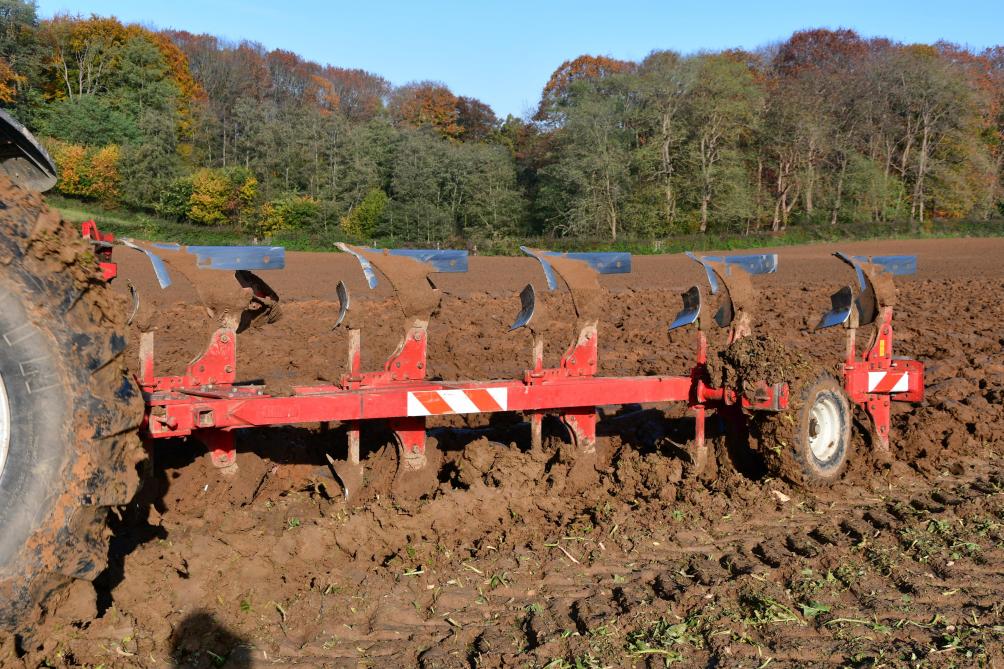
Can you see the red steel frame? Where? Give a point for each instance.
(207, 402)
(103, 244)
(878, 378)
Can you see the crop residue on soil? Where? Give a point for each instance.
(517, 557)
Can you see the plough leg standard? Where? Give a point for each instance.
(68, 419)
(208, 402)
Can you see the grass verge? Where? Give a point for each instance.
(145, 226)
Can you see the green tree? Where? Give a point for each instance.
(175, 198)
(583, 190)
(142, 80)
(289, 212)
(364, 219)
(423, 189)
(663, 81)
(87, 119)
(151, 163)
(23, 54)
(722, 109)
(493, 206)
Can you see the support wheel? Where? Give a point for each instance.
(808, 444)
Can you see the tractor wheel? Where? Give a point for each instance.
(68, 413)
(809, 443)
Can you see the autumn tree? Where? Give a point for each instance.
(825, 127)
(361, 95)
(219, 196)
(226, 72)
(84, 52)
(21, 55)
(476, 119)
(994, 62)
(584, 68)
(935, 106)
(87, 172)
(9, 81)
(427, 104)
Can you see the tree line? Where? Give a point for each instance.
(825, 128)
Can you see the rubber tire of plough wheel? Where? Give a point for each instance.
(785, 437)
(73, 447)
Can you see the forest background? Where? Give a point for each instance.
(827, 134)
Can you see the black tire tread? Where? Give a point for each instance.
(47, 259)
(779, 435)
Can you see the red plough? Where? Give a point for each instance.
(877, 378)
(208, 403)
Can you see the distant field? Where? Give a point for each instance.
(147, 226)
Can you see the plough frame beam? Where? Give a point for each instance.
(207, 402)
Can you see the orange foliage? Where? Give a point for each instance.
(9, 81)
(324, 94)
(360, 93)
(83, 52)
(177, 62)
(820, 49)
(301, 80)
(85, 172)
(90, 46)
(985, 73)
(104, 176)
(583, 67)
(258, 74)
(427, 104)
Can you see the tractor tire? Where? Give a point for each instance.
(69, 447)
(808, 444)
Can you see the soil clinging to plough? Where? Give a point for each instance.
(519, 557)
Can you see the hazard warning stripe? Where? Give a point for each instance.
(888, 382)
(439, 402)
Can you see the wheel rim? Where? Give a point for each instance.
(824, 428)
(4, 425)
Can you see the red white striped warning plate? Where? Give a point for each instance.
(888, 382)
(439, 402)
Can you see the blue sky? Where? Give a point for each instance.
(504, 52)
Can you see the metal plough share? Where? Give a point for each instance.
(208, 403)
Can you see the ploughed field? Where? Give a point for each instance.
(517, 557)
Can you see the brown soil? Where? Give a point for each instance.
(521, 557)
(749, 361)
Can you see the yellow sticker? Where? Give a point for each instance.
(881, 348)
